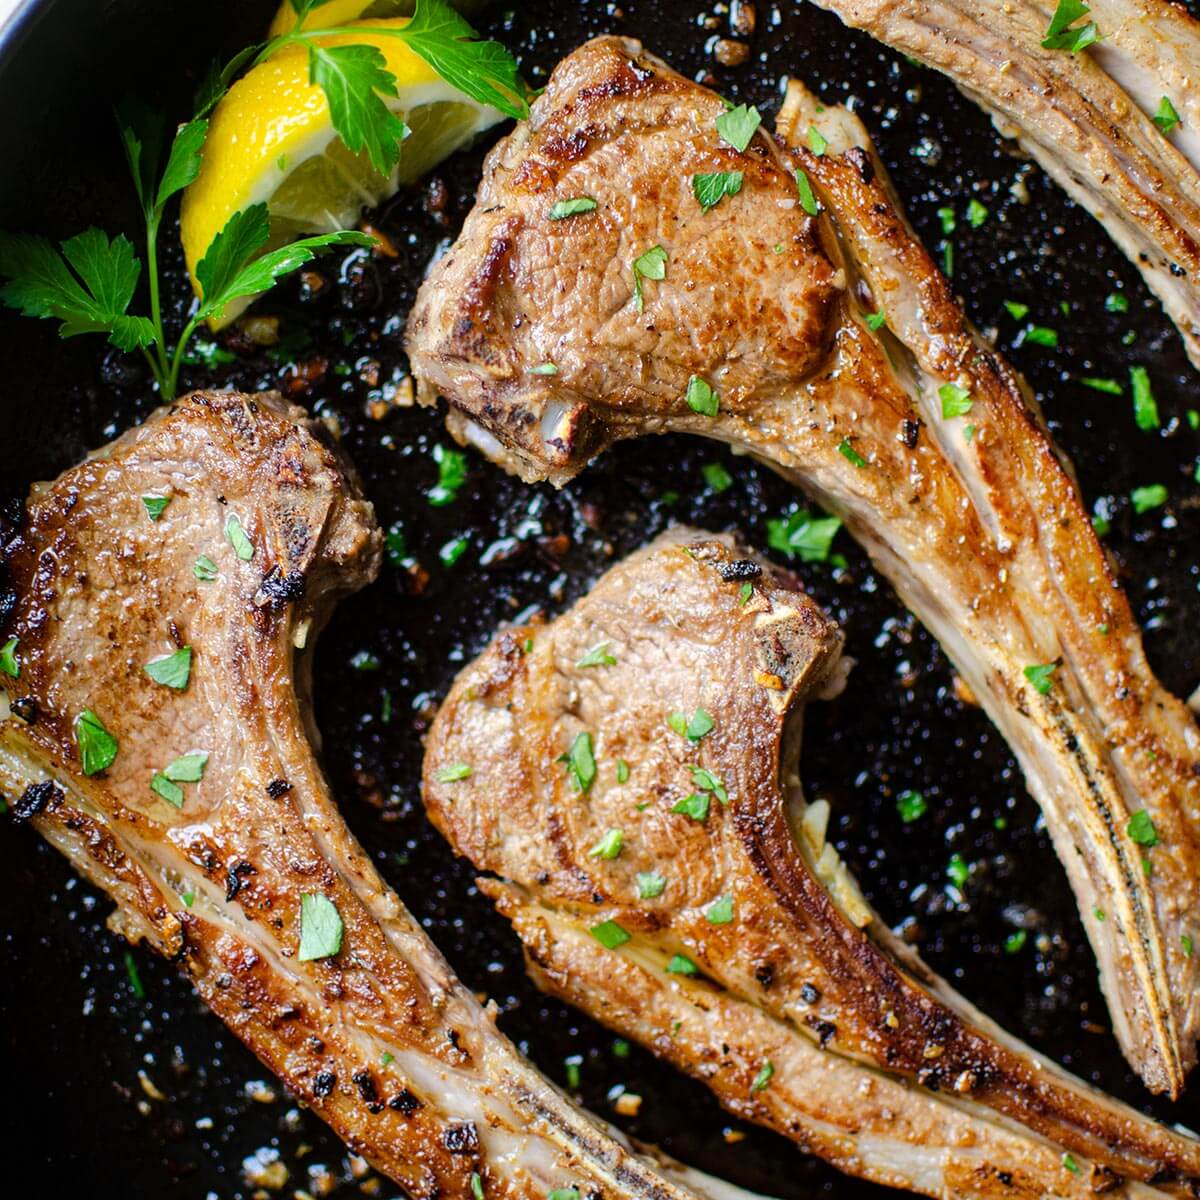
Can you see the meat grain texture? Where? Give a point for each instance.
(919, 437)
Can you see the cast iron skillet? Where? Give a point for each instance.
(75, 1034)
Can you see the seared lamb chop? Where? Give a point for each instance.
(668, 877)
(218, 535)
(1088, 117)
(751, 322)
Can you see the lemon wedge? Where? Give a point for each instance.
(271, 140)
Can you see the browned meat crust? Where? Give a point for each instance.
(875, 1065)
(380, 1038)
(974, 517)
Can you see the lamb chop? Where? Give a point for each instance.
(668, 877)
(751, 320)
(1088, 118)
(157, 731)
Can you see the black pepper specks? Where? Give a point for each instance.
(461, 1138)
(405, 1102)
(277, 787)
(740, 569)
(324, 1083)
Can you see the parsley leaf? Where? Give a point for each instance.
(876, 320)
(680, 964)
(355, 79)
(1016, 309)
(97, 747)
(229, 268)
(1041, 675)
(571, 208)
(1111, 386)
(610, 934)
(452, 474)
(701, 398)
(737, 125)
(171, 792)
(1153, 495)
(711, 189)
(1166, 118)
(956, 401)
(716, 477)
(183, 162)
(720, 912)
(808, 200)
(92, 300)
(848, 452)
(763, 1078)
(171, 670)
(187, 768)
(1141, 828)
(649, 885)
(801, 535)
(454, 773)
(205, 569)
(609, 846)
(1039, 335)
(816, 141)
(9, 663)
(698, 726)
(652, 264)
(1115, 302)
(243, 547)
(155, 506)
(706, 781)
(695, 806)
(1145, 410)
(580, 761)
(486, 71)
(911, 806)
(1015, 942)
(599, 655)
(1059, 36)
(320, 927)
(977, 213)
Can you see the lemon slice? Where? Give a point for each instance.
(271, 141)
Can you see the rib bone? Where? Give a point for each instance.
(975, 519)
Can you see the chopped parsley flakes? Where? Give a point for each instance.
(701, 398)
(1059, 34)
(816, 141)
(803, 536)
(720, 912)
(581, 761)
(695, 806)
(650, 884)
(97, 747)
(571, 208)
(320, 927)
(237, 537)
(694, 728)
(808, 199)
(600, 655)
(763, 1078)
(9, 663)
(452, 474)
(609, 846)
(1141, 828)
(1166, 118)
(1145, 408)
(711, 189)
(737, 125)
(680, 964)
(610, 934)
(155, 505)
(848, 452)
(1153, 495)
(650, 265)
(171, 670)
(956, 401)
(911, 806)
(1041, 675)
(455, 772)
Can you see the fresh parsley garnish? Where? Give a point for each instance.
(622, 771)
(476, 1185)
(453, 550)
(817, 142)
(956, 401)
(695, 727)
(454, 773)
(10, 664)
(1060, 36)
(650, 884)
(609, 846)
(848, 452)
(546, 368)
(720, 912)
(801, 535)
(188, 768)
(876, 320)
(600, 655)
(580, 761)
(680, 964)
(1016, 309)
(1145, 409)
(1141, 828)
(737, 125)
(711, 189)
(763, 1078)
(1041, 675)
(97, 747)
(205, 569)
(911, 806)
(1166, 118)
(1116, 302)
(808, 199)
(947, 218)
(701, 398)
(171, 670)
(135, 979)
(171, 792)
(573, 207)
(652, 264)
(452, 474)
(237, 537)
(706, 781)
(1015, 942)
(958, 871)
(695, 806)
(610, 934)
(1152, 495)
(155, 506)
(320, 927)
(716, 478)
(977, 213)
(1039, 335)
(1109, 386)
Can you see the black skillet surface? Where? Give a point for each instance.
(75, 1034)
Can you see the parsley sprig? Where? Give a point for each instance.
(89, 282)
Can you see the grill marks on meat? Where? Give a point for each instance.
(981, 530)
(794, 967)
(217, 884)
(1086, 118)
